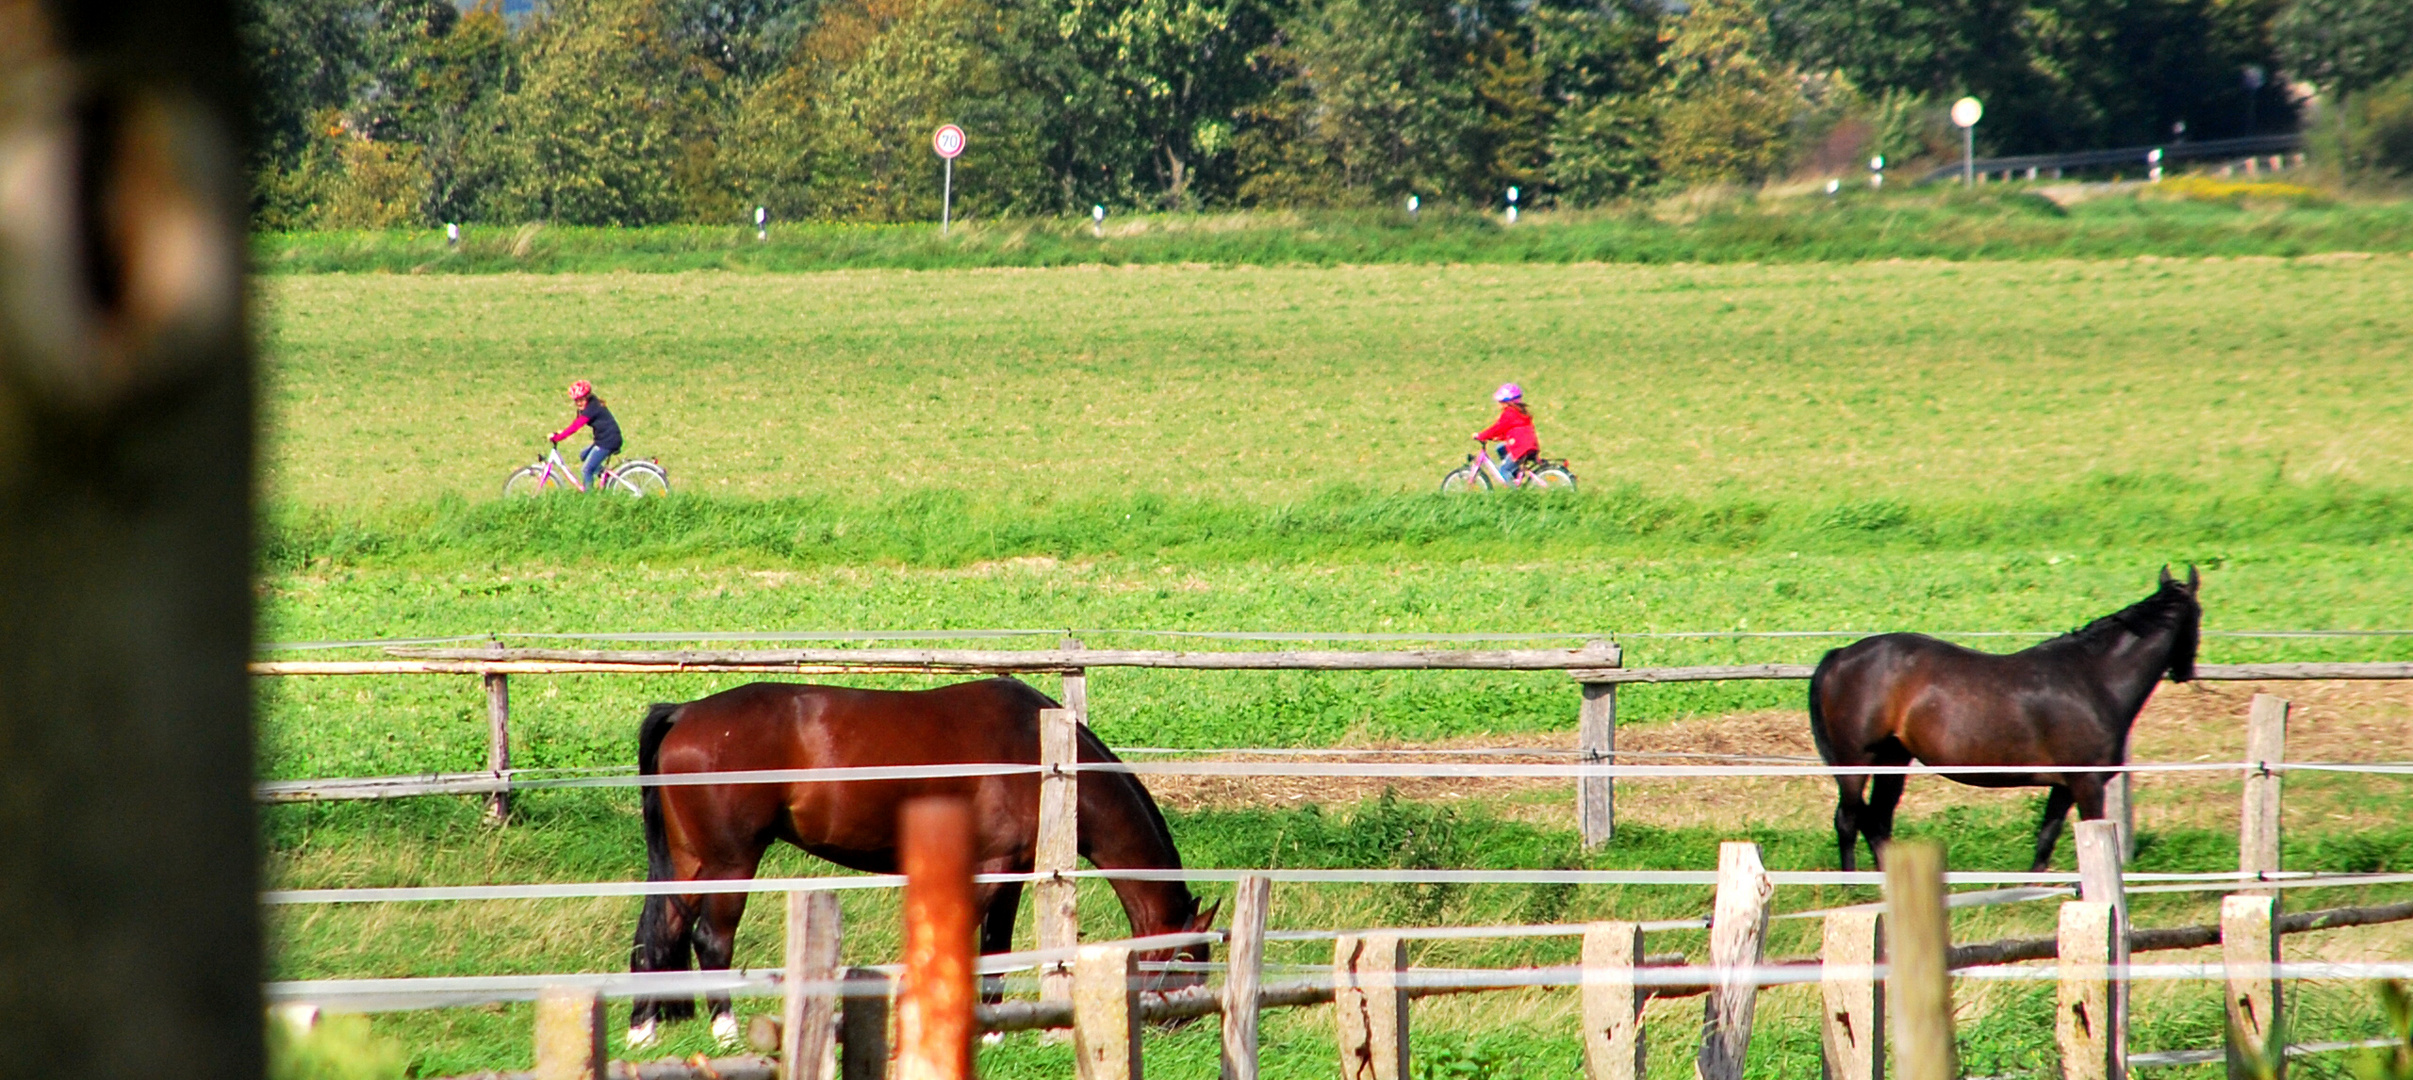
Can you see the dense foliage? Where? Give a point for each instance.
(389, 112)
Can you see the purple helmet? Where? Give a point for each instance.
(1508, 392)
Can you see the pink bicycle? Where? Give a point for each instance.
(642, 478)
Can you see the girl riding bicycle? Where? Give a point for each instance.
(1515, 427)
(606, 430)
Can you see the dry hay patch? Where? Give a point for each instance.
(2331, 721)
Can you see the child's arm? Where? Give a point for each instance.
(575, 424)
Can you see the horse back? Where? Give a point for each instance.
(1947, 704)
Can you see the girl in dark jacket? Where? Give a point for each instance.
(591, 413)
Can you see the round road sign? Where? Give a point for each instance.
(948, 140)
(1966, 111)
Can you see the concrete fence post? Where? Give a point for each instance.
(2249, 949)
(1612, 1002)
(1105, 1008)
(569, 1034)
(1370, 1007)
(1853, 1042)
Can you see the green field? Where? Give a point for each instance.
(1951, 446)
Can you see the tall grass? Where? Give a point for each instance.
(2001, 223)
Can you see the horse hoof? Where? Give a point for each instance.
(641, 1034)
(991, 1038)
(724, 1027)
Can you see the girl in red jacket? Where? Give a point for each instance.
(1514, 427)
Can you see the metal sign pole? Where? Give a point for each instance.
(1968, 157)
(946, 202)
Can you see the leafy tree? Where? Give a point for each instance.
(1169, 73)
(2345, 45)
(608, 125)
(1727, 108)
(1601, 64)
(1378, 101)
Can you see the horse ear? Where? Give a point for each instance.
(2193, 579)
(1205, 920)
(2166, 578)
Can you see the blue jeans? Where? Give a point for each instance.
(594, 464)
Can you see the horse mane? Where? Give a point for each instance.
(2169, 607)
(1146, 800)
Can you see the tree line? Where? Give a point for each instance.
(382, 113)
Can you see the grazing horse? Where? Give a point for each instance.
(2069, 701)
(719, 832)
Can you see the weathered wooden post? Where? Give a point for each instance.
(2082, 1025)
(1738, 926)
(934, 1007)
(1918, 941)
(498, 739)
(1076, 683)
(2249, 949)
(2100, 880)
(1105, 1012)
(1612, 1002)
(863, 1025)
(808, 1014)
(1053, 907)
(129, 849)
(1244, 976)
(569, 1034)
(2119, 806)
(1596, 744)
(2265, 746)
(1370, 1007)
(1854, 1037)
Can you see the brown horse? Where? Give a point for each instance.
(2069, 701)
(719, 832)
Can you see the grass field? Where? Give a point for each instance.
(1951, 446)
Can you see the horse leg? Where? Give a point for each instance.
(715, 946)
(2048, 834)
(999, 906)
(1877, 821)
(662, 945)
(1848, 807)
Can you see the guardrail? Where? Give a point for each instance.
(2036, 164)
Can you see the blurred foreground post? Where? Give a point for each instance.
(1612, 1003)
(1738, 930)
(1854, 1039)
(934, 1005)
(2100, 880)
(1918, 940)
(129, 890)
(1244, 976)
(2082, 1026)
(569, 1034)
(1105, 1013)
(1370, 1007)
(2249, 949)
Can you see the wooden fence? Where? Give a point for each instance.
(1597, 667)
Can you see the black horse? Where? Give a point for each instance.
(1895, 698)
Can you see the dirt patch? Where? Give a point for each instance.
(2330, 721)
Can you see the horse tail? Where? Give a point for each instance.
(1818, 720)
(660, 946)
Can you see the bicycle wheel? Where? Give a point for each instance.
(1553, 479)
(528, 482)
(643, 479)
(1463, 478)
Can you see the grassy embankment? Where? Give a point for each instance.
(2197, 218)
(1957, 447)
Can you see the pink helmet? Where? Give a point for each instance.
(581, 389)
(1508, 392)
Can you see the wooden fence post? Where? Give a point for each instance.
(569, 1034)
(1370, 1006)
(1105, 1011)
(2265, 745)
(1918, 943)
(1053, 901)
(934, 1008)
(2083, 1019)
(1738, 927)
(1596, 744)
(2249, 948)
(863, 1025)
(2099, 880)
(2119, 806)
(1612, 1003)
(808, 1014)
(1076, 684)
(1854, 1041)
(498, 739)
(1244, 976)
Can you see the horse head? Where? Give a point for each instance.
(2186, 614)
(1192, 958)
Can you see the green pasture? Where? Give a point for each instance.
(1849, 446)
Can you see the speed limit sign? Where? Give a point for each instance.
(948, 140)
